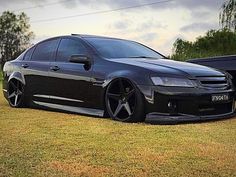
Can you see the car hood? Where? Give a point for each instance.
(171, 67)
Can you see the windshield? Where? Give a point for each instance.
(117, 48)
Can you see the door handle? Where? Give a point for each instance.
(54, 68)
(25, 65)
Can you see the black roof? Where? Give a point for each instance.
(94, 36)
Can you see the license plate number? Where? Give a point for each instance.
(220, 98)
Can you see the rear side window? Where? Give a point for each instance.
(45, 51)
(29, 54)
(69, 47)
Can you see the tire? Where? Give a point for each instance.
(124, 102)
(15, 93)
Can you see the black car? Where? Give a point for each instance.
(225, 63)
(123, 79)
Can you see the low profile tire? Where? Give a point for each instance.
(15, 93)
(124, 102)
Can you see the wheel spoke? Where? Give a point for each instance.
(19, 92)
(127, 108)
(130, 93)
(16, 99)
(118, 109)
(114, 96)
(12, 95)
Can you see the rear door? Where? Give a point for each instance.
(35, 67)
(70, 82)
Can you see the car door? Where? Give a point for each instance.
(70, 81)
(35, 67)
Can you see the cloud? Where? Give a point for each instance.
(192, 5)
(34, 2)
(151, 24)
(148, 37)
(121, 25)
(189, 4)
(198, 27)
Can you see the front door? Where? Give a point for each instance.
(70, 82)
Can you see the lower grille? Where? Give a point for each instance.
(215, 109)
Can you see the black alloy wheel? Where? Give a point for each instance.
(124, 101)
(15, 93)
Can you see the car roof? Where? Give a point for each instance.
(81, 36)
(94, 36)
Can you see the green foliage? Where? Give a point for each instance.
(228, 15)
(15, 35)
(214, 43)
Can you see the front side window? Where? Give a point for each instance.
(69, 47)
(45, 51)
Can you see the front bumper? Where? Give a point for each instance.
(162, 118)
(186, 104)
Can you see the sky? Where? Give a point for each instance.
(156, 26)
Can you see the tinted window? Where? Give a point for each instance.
(28, 54)
(116, 48)
(45, 51)
(69, 47)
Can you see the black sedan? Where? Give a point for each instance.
(123, 79)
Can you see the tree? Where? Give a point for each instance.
(214, 43)
(181, 48)
(15, 35)
(228, 15)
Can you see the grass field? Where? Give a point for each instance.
(41, 143)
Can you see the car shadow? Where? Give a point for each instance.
(152, 121)
(158, 122)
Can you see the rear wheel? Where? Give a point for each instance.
(124, 102)
(15, 93)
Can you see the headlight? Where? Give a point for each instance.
(173, 82)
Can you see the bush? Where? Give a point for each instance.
(214, 43)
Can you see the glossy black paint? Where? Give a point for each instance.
(80, 88)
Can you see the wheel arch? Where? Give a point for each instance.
(118, 75)
(18, 76)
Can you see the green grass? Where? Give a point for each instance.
(41, 143)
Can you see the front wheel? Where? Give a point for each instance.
(124, 102)
(15, 93)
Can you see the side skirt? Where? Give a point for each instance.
(80, 110)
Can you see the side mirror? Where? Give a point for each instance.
(83, 59)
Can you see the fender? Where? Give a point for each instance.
(18, 76)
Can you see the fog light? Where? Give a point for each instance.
(172, 106)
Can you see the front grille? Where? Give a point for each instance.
(214, 82)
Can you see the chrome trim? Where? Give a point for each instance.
(81, 110)
(202, 79)
(4, 90)
(58, 98)
(220, 78)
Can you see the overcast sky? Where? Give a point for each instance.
(157, 26)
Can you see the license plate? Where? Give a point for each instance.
(220, 97)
